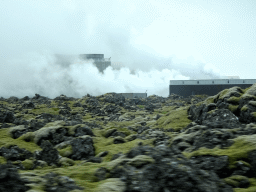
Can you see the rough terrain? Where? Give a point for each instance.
(109, 143)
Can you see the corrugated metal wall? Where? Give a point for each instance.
(187, 90)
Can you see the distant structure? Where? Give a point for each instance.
(98, 60)
(209, 87)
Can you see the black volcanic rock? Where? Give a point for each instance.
(48, 154)
(57, 183)
(7, 117)
(198, 143)
(14, 153)
(10, 180)
(28, 105)
(82, 148)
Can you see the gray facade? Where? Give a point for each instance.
(209, 87)
(98, 60)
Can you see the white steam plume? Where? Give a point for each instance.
(33, 32)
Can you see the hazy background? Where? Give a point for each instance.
(160, 40)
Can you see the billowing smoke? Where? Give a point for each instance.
(28, 62)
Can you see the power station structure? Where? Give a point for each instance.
(209, 87)
(97, 59)
(183, 88)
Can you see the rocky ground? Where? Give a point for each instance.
(109, 143)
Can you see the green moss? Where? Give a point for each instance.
(212, 111)
(207, 101)
(234, 100)
(238, 151)
(245, 90)
(2, 160)
(112, 184)
(28, 164)
(106, 144)
(253, 103)
(201, 96)
(124, 130)
(244, 108)
(87, 117)
(28, 116)
(251, 188)
(65, 162)
(177, 119)
(122, 124)
(6, 140)
(66, 152)
(235, 180)
(141, 106)
(245, 163)
(141, 160)
(254, 115)
(72, 129)
(4, 103)
(82, 174)
(45, 109)
(223, 93)
(232, 108)
(44, 132)
(55, 109)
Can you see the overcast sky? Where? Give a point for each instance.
(161, 40)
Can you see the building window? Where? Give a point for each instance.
(193, 92)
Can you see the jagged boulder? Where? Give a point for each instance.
(110, 109)
(221, 118)
(15, 153)
(248, 112)
(64, 98)
(83, 130)
(114, 98)
(48, 154)
(112, 185)
(212, 116)
(155, 169)
(57, 183)
(64, 112)
(82, 148)
(7, 117)
(10, 180)
(28, 105)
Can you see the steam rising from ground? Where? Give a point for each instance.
(33, 32)
(42, 74)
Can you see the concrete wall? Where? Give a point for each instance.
(212, 81)
(212, 87)
(133, 95)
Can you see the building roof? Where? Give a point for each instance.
(212, 81)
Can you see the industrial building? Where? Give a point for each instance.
(209, 87)
(98, 60)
